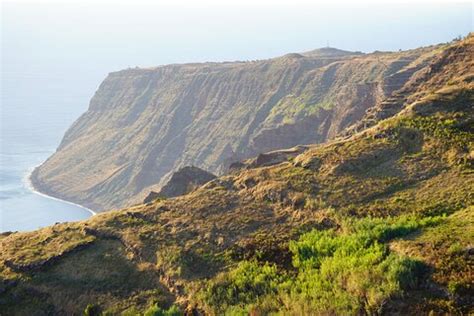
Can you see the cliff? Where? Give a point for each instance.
(380, 223)
(144, 124)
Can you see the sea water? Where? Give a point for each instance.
(36, 109)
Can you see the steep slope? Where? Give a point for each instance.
(378, 223)
(143, 124)
(416, 81)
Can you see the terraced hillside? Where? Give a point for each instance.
(379, 222)
(144, 124)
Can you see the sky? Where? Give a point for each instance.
(109, 36)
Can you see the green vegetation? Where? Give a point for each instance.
(447, 249)
(291, 109)
(452, 131)
(186, 264)
(342, 272)
(92, 310)
(243, 285)
(155, 310)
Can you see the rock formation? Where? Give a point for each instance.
(182, 181)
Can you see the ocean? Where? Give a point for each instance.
(36, 110)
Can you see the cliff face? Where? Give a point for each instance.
(143, 124)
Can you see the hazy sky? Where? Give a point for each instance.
(111, 36)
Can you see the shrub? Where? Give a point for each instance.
(243, 285)
(349, 272)
(155, 310)
(92, 310)
(353, 271)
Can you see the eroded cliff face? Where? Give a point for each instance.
(143, 124)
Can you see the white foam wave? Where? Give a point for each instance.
(29, 185)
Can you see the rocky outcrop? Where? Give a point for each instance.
(269, 158)
(182, 182)
(152, 196)
(144, 124)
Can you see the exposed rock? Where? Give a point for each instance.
(269, 158)
(151, 197)
(238, 165)
(182, 182)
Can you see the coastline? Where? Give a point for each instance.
(29, 185)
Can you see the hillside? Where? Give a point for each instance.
(144, 124)
(378, 222)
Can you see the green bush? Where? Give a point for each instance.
(348, 272)
(243, 285)
(446, 129)
(155, 310)
(353, 271)
(92, 310)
